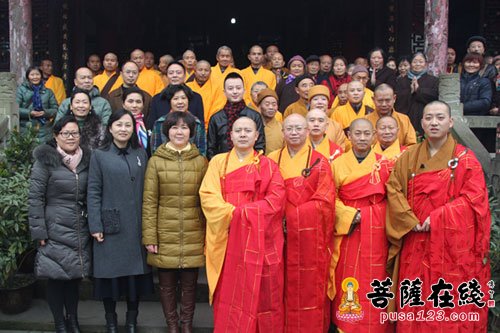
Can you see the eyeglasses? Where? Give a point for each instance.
(66, 135)
(298, 129)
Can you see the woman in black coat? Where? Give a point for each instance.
(379, 72)
(57, 218)
(475, 91)
(116, 183)
(415, 90)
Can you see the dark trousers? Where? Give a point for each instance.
(63, 294)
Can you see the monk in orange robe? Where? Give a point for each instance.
(309, 228)
(242, 196)
(317, 121)
(360, 242)
(439, 227)
(388, 145)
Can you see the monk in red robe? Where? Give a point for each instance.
(439, 229)
(360, 240)
(243, 196)
(309, 227)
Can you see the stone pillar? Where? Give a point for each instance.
(21, 46)
(436, 34)
(9, 111)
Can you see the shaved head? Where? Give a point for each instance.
(316, 113)
(202, 62)
(295, 118)
(359, 121)
(244, 121)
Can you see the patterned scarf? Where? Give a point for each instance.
(71, 160)
(140, 128)
(232, 111)
(416, 75)
(290, 78)
(37, 98)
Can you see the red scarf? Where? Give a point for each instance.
(232, 111)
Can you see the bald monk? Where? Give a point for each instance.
(439, 222)
(256, 72)
(359, 73)
(355, 108)
(319, 97)
(387, 142)
(360, 242)
(223, 67)
(341, 98)
(148, 80)
(51, 81)
(309, 226)
(303, 84)
(109, 79)
(212, 95)
(384, 99)
(317, 122)
(267, 101)
(243, 197)
(189, 61)
(163, 63)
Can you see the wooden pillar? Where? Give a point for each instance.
(21, 46)
(436, 34)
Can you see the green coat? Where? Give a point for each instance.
(24, 97)
(171, 213)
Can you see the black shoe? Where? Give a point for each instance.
(72, 323)
(131, 322)
(60, 327)
(111, 323)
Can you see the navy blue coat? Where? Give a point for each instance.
(475, 94)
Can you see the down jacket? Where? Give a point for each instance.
(475, 94)
(57, 214)
(171, 214)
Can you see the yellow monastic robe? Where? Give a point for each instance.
(218, 213)
(264, 75)
(189, 73)
(278, 116)
(345, 114)
(324, 149)
(367, 100)
(274, 135)
(149, 81)
(406, 135)
(299, 107)
(212, 96)
(336, 133)
(217, 76)
(291, 167)
(391, 153)
(101, 80)
(56, 84)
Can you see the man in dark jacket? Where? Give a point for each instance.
(176, 74)
(218, 140)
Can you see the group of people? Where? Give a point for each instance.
(298, 188)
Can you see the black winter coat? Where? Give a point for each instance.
(475, 94)
(217, 132)
(383, 75)
(57, 214)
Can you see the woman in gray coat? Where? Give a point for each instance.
(116, 182)
(57, 218)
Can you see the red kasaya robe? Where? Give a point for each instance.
(361, 249)
(248, 288)
(456, 248)
(309, 215)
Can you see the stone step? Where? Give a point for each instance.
(91, 317)
(86, 289)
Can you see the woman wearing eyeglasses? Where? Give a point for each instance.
(58, 219)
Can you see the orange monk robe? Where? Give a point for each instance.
(345, 114)
(218, 77)
(329, 149)
(189, 75)
(274, 135)
(249, 78)
(278, 116)
(335, 133)
(367, 100)
(360, 250)
(309, 215)
(212, 96)
(56, 84)
(392, 152)
(300, 106)
(406, 135)
(457, 246)
(244, 266)
(100, 81)
(150, 82)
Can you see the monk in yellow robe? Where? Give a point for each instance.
(164, 61)
(243, 197)
(303, 84)
(319, 97)
(359, 73)
(355, 108)
(256, 72)
(387, 142)
(52, 82)
(317, 122)
(109, 79)
(224, 66)
(360, 245)
(267, 100)
(384, 100)
(309, 226)
(189, 61)
(148, 80)
(212, 96)
(439, 228)
(341, 98)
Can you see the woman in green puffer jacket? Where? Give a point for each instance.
(173, 227)
(37, 104)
